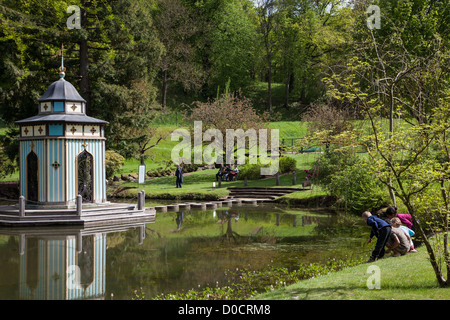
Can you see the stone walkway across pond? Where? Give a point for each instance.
(237, 196)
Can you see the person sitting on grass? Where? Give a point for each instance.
(396, 223)
(397, 243)
(382, 230)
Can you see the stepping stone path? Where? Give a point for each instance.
(237, 196)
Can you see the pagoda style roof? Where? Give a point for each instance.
(61, 117)
(61, 90)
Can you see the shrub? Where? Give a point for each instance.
(287, 164)
(113, 163)
(187, 167)
(346, 176)
(250, 171)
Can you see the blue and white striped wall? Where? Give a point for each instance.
(60, 184)
(56, 271)
(96, 149)
(39, 147)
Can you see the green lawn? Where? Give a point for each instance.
(409, 277)
(199, 185)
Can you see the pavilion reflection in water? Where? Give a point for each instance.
(66, 263)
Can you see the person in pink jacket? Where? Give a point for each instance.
(405, 218)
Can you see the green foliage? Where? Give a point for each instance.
(233, 41)
(110, 60)
(7, 167)
(246, 283)
(250, 171)
(113, 163)
(347, 177)
(287, 164)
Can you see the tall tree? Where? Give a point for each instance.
(110, 59)
(176, 28)
(233, 45)
(30, 35)
(124, 88)
(266, 10)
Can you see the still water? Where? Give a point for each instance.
(180, 251)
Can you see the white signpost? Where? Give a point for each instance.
(141, 174)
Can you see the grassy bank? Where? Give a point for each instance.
(199, 186)
(409, 277)
(196, 186)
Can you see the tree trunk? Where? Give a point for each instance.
(287, 90)
(437, 270)
(391, 133)
(447, 217)
(164, 90)
(84, 63)
(269, 80)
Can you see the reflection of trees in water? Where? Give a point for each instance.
(339, 225)
(228, 218)
(210, 242)
(32, 264)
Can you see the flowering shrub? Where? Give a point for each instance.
(309, 174)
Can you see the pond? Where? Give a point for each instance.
(180, 251)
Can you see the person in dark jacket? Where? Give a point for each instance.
(382, 230)
(179, 176)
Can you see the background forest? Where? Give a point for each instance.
(137, 62)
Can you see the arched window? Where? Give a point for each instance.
(85, 171)
(32, 177)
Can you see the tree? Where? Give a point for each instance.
(123, 79)
(232, 38)
(30, 35)
(266, 12)
(226, 113)
(176, 27)
(288, 33)
(412, 161)
(326, 121)
(109, 59)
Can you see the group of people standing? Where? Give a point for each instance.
(394, 232)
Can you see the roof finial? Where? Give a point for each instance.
(62, 69)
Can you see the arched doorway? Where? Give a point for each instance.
(85, 176)
(32, 177)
